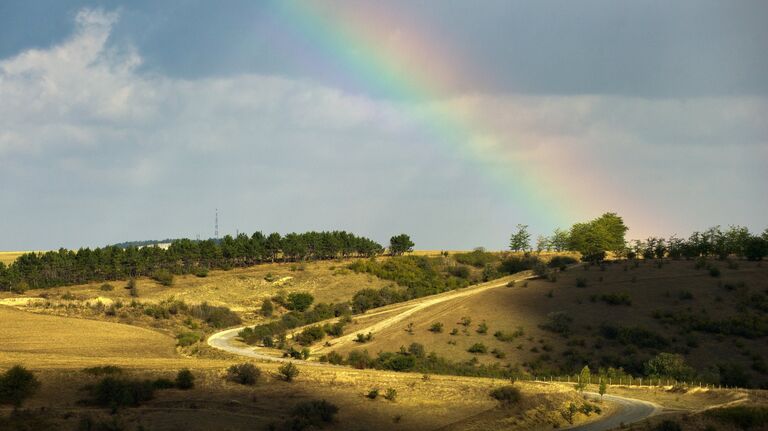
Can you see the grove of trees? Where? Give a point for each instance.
(184, 256)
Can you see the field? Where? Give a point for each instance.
(7, 257)
(676, 287)
(56, 342)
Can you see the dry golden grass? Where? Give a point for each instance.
(7, 257)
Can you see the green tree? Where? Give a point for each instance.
(560, 239)
(16, 385)
(668, 365)
(521, 239)
(602, 389)
(299, 301)
(584, 377)
(400, 244)
(594, 238)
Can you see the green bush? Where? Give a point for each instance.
(106, 287)
(163, 276)
(310, 335)
(299, 301)
(477, 348)
(185, 379)
(187, 338)
(116, 392)
(313, 414)
(218, 317)
(373, 393)
(16, 385)
(507, 395)
(436, 327)
(201, 272)
(288, 371)
(244, 374)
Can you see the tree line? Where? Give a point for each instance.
(595, 238)
(183, 256)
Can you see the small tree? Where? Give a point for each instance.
(185, 379)
(267, 308)
(400, 244)
(602, 389)
(584, 377)
(521, 239)
(133, 289)
(16, 385)
(245, 374)
(299, 301)
(288, 371)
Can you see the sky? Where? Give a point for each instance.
(452, 121)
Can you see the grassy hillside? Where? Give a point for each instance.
(617, 315)
(7, 257)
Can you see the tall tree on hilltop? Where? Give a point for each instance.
(400, 244)
(521, 239)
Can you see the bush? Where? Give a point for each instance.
(561, 261)
(417, 350)
(163, 383)
(201, 272)
(118, 392)
(187, 338)
(477, 348)
(482, 328)
(299, 301)
(288, 371)
(391, 394)
(267, 308)
(163, 276)
(507, 395)
(106, 287)
(218, 317)
(244, 374)
(436, 327)
(363, 338)
(20, 287)
(16, 385)
(185, 379)
(312, 414)
(558, 322)
(714, 271)
(310, 335)
(373, 393)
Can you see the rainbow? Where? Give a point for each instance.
(420, 74)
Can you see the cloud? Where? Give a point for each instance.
(83, 128)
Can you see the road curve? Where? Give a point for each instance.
(629, 410)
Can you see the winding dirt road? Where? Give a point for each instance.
(629, 410)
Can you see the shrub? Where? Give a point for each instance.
(507, 395)
(163, 383)
(312, 414)
(163, 276)
(558, 322)
(187, 338)
(561, 261)
(477, 348)
(218, 317)
(267, 308)
(201, 272)
(106, 287)
(310, 335)
(334, 358)
(482, 328)
(364, 338)
(391, 394)
(373, 393)
(299, 301)
(288, 371)
(714, 271)
(16, 385)
(436, 327)
(185, 379)
(498, 354)
(118, 392)
(244, 374)
(417, 350)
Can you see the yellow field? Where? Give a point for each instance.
(57, 348)
(7, 257)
